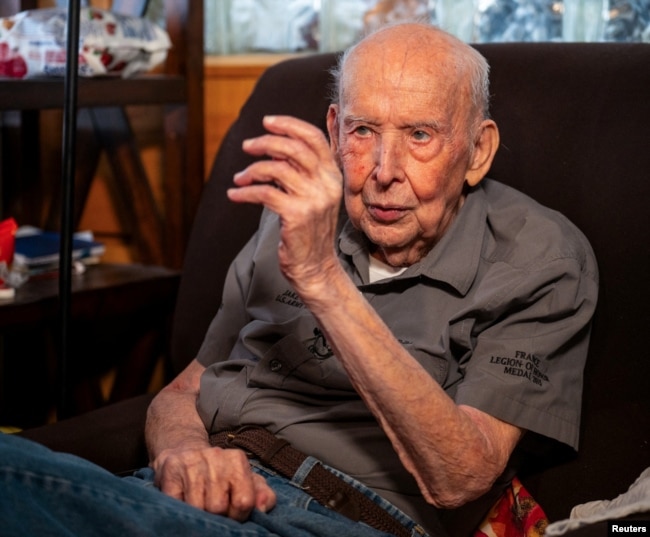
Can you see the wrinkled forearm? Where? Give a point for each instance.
(172, 418)
(454, 453)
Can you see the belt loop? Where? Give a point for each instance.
(304, 469)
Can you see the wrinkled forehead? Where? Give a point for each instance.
(434, 72)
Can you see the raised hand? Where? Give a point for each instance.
(302, 183)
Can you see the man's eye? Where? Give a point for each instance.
(421, 136)
(362, 130)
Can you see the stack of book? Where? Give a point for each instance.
(38, 251)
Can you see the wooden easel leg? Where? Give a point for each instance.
(131, 190)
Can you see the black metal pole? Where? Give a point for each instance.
(67, 202)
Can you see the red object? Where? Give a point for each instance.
(515, 514)
(11, 64)
(8, 229)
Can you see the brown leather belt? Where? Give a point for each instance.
(321, 484)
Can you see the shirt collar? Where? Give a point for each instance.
(454, 260)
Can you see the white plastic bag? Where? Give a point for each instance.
(33, 43)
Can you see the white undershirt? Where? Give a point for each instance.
(379, 270)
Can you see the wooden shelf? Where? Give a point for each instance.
(111, 288)
(43, 93)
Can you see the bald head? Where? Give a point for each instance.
(421, 48)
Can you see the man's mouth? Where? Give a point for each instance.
(386, 214)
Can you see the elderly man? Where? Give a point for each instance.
(394, 329)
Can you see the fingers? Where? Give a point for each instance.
(279, 174)
(299, 152)
(264, 495)
(274, 183)
(215, 480)
(309, 140)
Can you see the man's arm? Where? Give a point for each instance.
(187, 467)
(455, 453)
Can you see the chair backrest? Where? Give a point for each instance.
(574, 128)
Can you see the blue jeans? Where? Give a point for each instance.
(47, 493)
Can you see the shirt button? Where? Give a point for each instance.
(275, 365)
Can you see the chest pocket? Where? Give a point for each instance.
(290, 365)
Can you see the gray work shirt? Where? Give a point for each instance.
(498, 313)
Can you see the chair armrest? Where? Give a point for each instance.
(111, 436)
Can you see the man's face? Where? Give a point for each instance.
(401, 134)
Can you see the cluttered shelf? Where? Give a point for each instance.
(153, 171)
(119, 315)
(42, 93)
(128, 58)
(114, 287)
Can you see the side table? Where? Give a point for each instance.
(120, 318)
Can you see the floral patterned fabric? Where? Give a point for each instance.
(516, 514)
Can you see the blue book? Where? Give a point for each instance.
(43, 247)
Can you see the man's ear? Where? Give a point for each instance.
(485, 147)
(333, 127)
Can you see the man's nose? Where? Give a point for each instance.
(389, 160)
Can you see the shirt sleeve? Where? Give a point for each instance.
(526, 367)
